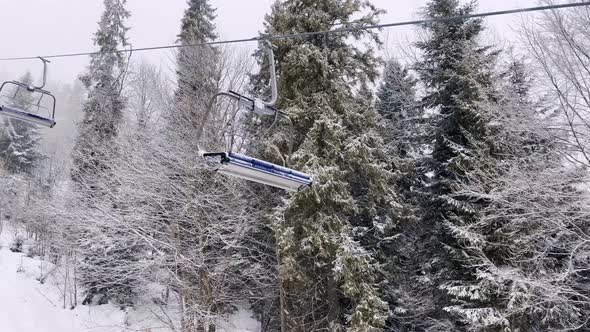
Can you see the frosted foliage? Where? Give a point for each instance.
(322, 264)
(452, 195)
(103, 108)
(558, 42)
(106, 65)
(94, 155)
(215, 248)
(197, 25)
(520, 246)
(457, 79)
(537, 287)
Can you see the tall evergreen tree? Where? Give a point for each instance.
(504, 180)
(483, 131)
(457, 73)
(402, 122)
(403, 128)
(106, 248)
(196, 244)
(197, 24)
(197, 70)
(396, 97)
(324, 235)
(19, 140)
(105, 103)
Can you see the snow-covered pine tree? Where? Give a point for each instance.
(195, 226)
(325, 235)
(457, 73)
(402, 122)
(197, 25)
(499, 143)
(524, 187)
(404, 130)
(397, 104)
(104, 105)
(197, 68)
(527, 261)
(19, 140)
(108, 252)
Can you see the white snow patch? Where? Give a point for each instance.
(26, 305)
(240, 321)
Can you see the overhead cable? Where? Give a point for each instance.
(318, 33)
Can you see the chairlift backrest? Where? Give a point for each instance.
(9, 105)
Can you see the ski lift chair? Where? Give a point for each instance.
(44, 116)
(252, 169)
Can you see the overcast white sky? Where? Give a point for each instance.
(41, 27)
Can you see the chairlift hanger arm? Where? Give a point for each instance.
(248, 168)
(255, 105)
(44, 79)
(273, 75)
(250, 104)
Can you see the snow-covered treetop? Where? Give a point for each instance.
(197, 24)
(106, 64)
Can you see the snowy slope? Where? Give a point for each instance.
(26, 305)
(29, 306)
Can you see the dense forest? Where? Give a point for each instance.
(450, 182)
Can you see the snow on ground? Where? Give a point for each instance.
(241, 321)
(26, 305)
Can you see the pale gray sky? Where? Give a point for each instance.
(60, 26)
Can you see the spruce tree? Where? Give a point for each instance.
(104, 106)
(197, 68)
(195, 239)
(403, 128)
(108, 252)
(325, 234)
(483, 131)
(505, 180)
(457, 73)
(402, 123)
(197, 24)
(19, 140)
(396, 97)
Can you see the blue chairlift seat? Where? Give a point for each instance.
(26, 116)
(259, 171)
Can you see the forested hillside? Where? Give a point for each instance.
(450, 179)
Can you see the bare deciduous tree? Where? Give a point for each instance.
(559, 41)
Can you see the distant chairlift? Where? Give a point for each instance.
(252, 169)
(43, 116)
